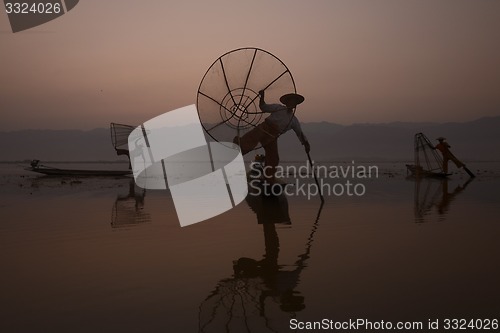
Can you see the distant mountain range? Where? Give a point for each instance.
(475, 140)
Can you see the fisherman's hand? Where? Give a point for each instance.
(307, 146)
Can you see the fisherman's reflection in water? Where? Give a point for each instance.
(128, 210)
(261, 296)
(435, 194)
(270, 211)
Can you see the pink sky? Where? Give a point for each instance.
(354, 61)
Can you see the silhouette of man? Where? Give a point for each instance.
(280, 120)
(444, 148)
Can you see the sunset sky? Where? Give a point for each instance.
(354, 61)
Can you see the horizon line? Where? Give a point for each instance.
(310, 122)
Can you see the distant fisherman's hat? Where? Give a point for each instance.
(294, 99)
(441, 138)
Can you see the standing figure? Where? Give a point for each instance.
(280, 120)
(444, 148)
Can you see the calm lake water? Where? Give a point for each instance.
(101, 255)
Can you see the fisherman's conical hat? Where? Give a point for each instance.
(441, 138)
(294, 99)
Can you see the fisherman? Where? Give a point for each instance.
(280, 120)
(444, 148)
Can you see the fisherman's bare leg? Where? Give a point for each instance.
(249, 140)
(267, 136)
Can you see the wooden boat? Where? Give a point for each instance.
(37, 167)
(119, 139)
(418, 171)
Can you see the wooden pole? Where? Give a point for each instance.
(315, 178)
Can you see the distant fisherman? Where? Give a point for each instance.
(444, 148)
(280, 120)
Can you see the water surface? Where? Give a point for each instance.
(101, 255)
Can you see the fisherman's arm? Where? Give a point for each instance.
(262, 102)
(268, 108)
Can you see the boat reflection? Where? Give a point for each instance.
(128, 210)
(433, 197)
(262, 294)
